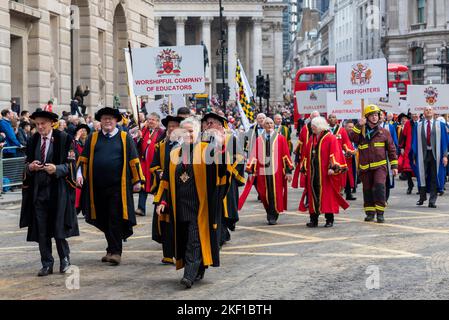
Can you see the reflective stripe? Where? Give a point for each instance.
(370, 209)
(358, 131)
(394, 162)
(380, 208)
(373, 165)
(379, 144)
(363, 146)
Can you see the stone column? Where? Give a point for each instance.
(403, 12)
(5, 58)
(207, 40)
(278, 65)
(180, 30)
(431, 14)
(232, 54)
(157, 20)
(257, 48)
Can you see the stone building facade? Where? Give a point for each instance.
(254, 34)
(49, 47)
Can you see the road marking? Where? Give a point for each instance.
(416, 229)
(355, 255)
(18, 248)
(124, 252)
(287, 234)
(400, 252)
(260, 254)
(13, 232)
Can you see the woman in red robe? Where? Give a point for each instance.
(81, 134)
(405, 144)
(322, 164)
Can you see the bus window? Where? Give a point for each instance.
(305, 77)
(330, 77)
(318, 77)
(403, 76)
(391, 76)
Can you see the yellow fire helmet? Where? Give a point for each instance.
(371, 108)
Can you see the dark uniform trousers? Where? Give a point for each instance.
(430, 167)
(272, 214)
(374, 193)
(45, 224)
(108, 205)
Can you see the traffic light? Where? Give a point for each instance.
(260, 85)
(266, 91)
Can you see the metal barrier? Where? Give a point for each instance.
(11, 168)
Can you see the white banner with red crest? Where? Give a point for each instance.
(434, 95)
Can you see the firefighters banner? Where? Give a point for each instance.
(344, 110)
(362, 79)
(389, 104)
(168, 70)
(309, 101)
(434, 95)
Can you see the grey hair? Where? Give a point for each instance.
(194, 122)
(316, 113)
(267, 119)
(155, 115)
(320, 123)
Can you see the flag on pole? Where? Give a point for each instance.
(132, 97)
(245, 98)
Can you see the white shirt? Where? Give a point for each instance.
(47, 145)
(113, 133)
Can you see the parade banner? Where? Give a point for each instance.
(344, 110)
(362, 79)
(132, 97)
(434, 95)
(168, 70)
(161, 106)
(388, 104)
(309, 101)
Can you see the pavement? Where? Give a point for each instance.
(405, 258)
(10, 198)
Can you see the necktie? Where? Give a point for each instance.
(43, 147)
(108, 135)
(429, 131)
(268, 145)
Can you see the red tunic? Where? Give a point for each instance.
(330, 156)
(348, 151)
(304, 136)
(282, 164)
(406, 144)
(146, 152)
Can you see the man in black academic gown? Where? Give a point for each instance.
(48, 194)
(109, 172)
(236, 168)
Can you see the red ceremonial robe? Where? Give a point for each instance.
(348, 151)
(281, 164)
(299, 180)
(406, 143)
(146, 152)
(330, 156)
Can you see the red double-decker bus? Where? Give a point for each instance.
(324, 77)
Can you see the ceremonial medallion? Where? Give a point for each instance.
(184, 177)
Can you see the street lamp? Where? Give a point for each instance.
(222, 52)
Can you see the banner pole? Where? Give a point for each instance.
(169, 104)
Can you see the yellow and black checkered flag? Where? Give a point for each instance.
(245, 97)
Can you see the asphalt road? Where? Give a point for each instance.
(405, 258)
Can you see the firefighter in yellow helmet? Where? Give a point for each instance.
(375, 145)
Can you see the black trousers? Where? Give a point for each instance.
(45, 223)
(272, 214)
(108, 204)
(193, 255)
(430, 167)
(410, 183)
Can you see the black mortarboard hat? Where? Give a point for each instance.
(108, 111)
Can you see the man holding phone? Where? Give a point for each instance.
(49, 192)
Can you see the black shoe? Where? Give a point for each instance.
(312, 225)
(65, 265)
(419, 202)
(272, 222)
(440, 193)
(418, 193)
(432, 205)
(200, 275)
(369, 218)
(380, 218)
(409, 190)
(187, 283)
(45, 271)
(350, 197)
(329, 224)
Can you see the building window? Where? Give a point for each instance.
(143, 25)
(418, 56)
(421, 10)
(418, 76)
